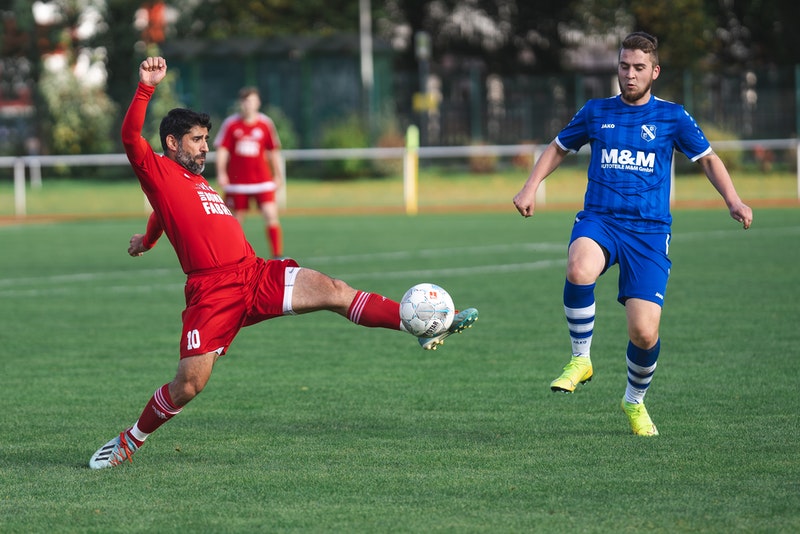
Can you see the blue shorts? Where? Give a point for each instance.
(643, 259)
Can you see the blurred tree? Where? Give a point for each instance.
(759, 32)
(511, 36)
(220, 19)
(684, 28)
(17, 81)
(120, 42)
(75, 114)
(504, 36)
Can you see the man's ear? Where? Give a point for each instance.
(172, 143)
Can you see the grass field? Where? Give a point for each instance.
(311, 424)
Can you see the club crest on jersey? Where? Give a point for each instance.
(648, 132)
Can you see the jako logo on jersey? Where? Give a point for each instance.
(627, 160)
(608, 125)
(648, 132)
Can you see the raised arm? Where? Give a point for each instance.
(151, 72)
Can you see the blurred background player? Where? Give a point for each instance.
(249, 165)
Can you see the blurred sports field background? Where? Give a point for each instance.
(313, 424)
(117, 193)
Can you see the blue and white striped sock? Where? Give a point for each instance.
(641, 366)
(579, 307)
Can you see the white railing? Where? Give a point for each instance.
(34, 164)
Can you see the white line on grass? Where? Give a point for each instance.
(441, 252)
(459, 271)
(735, 232)
(81, 277)
(64, 284)
(69, 284)
(72, 289)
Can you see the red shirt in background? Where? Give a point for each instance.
(247, 144)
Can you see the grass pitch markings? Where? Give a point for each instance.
(65, 284)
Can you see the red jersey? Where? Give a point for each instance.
(202, 230)
(247, 144)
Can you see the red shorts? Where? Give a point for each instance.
(241, 201)
(222, 301)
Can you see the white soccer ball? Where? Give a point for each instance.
(427, 310)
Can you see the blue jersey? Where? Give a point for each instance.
(631, 160)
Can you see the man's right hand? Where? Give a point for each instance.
(152, 70)
(137, 247)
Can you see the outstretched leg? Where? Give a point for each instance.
(314, 291)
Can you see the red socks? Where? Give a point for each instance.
(371, 310)
(275, 238)
(158, 411)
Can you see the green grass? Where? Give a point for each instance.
(311, 424)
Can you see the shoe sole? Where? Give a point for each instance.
(557, 389)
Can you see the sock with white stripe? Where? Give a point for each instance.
(579, 307)
(641, 367)
(374, 311)
(158, 411)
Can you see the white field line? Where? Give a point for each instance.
(443, 252)
(459, 271)
(80, 277)
(150, 280)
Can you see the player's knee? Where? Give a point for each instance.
(341, 291)
(581, 274)
(644, 338)
(183, 391)
(338, 297)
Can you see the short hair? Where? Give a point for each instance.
(244, 92)
(179, 121)
(642, 41)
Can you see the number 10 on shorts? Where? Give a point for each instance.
(193, 339)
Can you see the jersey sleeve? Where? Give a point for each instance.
(223, 131)
(272, 142)
(576, 133)
(136, 146)
(153, 231)
(690, 139)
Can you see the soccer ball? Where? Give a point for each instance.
(427, 310)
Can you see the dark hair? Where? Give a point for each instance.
(642, 41)
(244, 92)
(179, 121)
